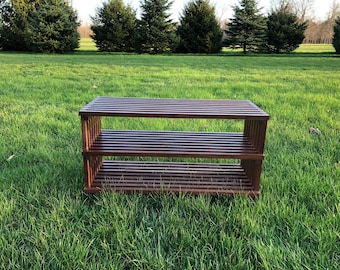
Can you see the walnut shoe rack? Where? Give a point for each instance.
(102, 174)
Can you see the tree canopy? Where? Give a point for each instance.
(199, 30)
(53, 27)
(336, 37)
(284, 32)
(113, 26)
(155, 31)
(40, 26)
(247, 28)
(14, 16)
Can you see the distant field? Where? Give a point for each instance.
(315, 48)
(87, 44)
(47, 222)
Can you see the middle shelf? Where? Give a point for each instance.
(233, 145)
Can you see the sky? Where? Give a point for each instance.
(87, 8)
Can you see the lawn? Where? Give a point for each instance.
(47, 222)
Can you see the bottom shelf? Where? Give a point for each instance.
(174, 177)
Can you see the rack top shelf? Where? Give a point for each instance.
(173, 108)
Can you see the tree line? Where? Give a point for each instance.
(51, 26)
(318, 31)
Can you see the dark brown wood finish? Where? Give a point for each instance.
(195, 178)
(174, 108)
(173, 144)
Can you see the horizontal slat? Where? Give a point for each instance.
(173, 144)
(195, 178)
(174, 108)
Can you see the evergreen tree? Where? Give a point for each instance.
(247, 29)
(113, 26)
(336, 37)
(44, 25)
(155, 32)
(53, 27)
(14, 16)
(199, 30)
(284, 32)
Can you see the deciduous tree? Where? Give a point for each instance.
(303, 9)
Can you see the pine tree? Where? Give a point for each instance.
(199, 30)
(14, 16)
(247, 29)
(155, 31)
(113, 26)
(284, 32)
(336, 36)
(41, 26)
(53, 27)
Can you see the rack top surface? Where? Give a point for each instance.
(173, 108)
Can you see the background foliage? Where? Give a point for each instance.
(336, 37)
(52, 27)
(284, 32)
(39, 26)
(155, 31)
(198, 30)
(247, 28)
(113, 27)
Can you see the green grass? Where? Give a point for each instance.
(315, 48)
(87, 44)
(46, 222)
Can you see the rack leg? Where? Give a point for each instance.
(92, 165)
(253, 169)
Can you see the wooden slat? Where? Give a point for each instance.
(173, 144)
(174, 108)
(195, 178)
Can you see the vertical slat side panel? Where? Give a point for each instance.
(94, 128)
(261, 135)
(255, 130)
(256, 134)
(87, 172)
(249, 127)
(96, 163)
(92, 165)
(85, 133)
(257, 174)
(253, 169)
(91, 128)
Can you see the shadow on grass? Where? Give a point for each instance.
(89, 52)
(223, 53)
